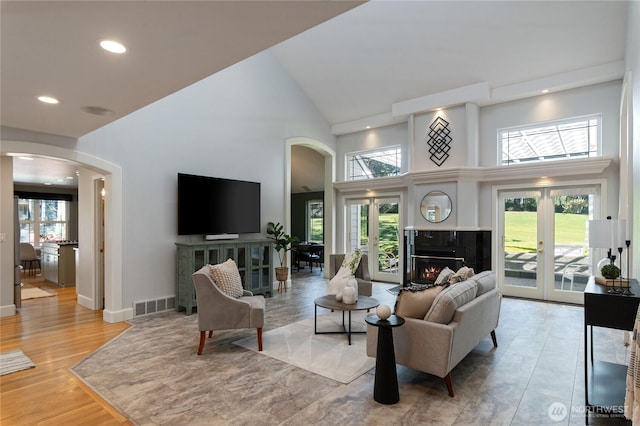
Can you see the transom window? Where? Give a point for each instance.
(373, 164)
(577, 137)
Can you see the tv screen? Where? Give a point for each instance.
(213, 206)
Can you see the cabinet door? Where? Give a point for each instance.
(199, 259)
(255, 263)
(213, 255)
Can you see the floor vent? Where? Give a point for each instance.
(146, 307)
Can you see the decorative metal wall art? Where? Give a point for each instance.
(439, 141)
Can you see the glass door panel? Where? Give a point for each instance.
(375, 231)
(556, 218)
(387, 240)
(522, 244)
(358, 226)
(572, 259)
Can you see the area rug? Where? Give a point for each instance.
(34, 293)
(13, 361)
(328, 355)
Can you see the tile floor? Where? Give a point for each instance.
(539, 362)
(537, 365)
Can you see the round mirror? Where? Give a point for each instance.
(435, 206)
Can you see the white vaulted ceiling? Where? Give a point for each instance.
(359, 63)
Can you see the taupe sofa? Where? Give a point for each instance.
(436, 348)
(362, 273)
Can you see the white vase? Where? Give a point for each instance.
(349, 296)
(350, 291)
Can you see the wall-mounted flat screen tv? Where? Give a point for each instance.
(215, 206)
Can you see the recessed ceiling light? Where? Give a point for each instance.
(367, 127)
(26, 158)
(545, 91)
(47, 183)
(112, 46)
(48, 100)
(69, 177)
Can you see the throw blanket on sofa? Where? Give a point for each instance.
(632, 397)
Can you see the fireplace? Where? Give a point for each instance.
(428, 252)
(425, 269)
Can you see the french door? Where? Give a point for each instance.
(373, 227)
(545, 241)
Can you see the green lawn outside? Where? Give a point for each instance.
(520, 230)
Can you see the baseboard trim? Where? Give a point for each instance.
(86, 302)
(7, 310)
(117, 316)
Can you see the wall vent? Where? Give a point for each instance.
(146, 307)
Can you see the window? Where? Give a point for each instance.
(573, 138)
(374, 164)
(315, 221)
(43, 220)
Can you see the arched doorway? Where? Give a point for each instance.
(113, 303)
(329, 198)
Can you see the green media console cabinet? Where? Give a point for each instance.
(253, 257)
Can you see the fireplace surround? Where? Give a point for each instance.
(429, 251)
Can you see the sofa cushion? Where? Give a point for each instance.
(227, 278)
(462, 274)
(446, 303)
(415, 300)
(486, 281)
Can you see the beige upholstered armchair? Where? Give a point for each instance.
(362, 273)
(218, 311)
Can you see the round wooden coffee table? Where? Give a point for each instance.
(329, 302)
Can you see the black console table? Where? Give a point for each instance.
(605, 382)
(385, 388)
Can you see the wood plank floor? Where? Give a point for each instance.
(55, 333)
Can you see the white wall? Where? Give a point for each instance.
(233, 125)
(7, 307)
(633, 66)
(471, 200)
(601, 99)
(596, 99)
(457, 126)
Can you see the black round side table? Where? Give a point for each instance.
(385, 388)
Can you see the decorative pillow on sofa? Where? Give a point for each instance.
(415, 300)
(227, 278)
(449, 300)
(443, 276)
(348, 268)
(463, 274)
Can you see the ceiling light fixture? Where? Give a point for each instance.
(47, 183)
(112, 46)
(48, 100)
(26, 158)
(545, 90)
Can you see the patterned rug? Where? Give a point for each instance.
(13, 361)
(328, 355)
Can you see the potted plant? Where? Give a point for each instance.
(282, 244)
(610, 271)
